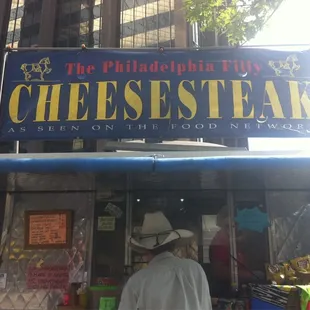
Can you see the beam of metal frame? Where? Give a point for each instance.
(2, 65)
(152, 48)
(149, 162)
(128, 230)
(141, 146)
(232, 236)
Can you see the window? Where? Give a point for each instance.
(78, 22)
(147, 23)
(24, 24)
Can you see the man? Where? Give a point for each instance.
(168, 282)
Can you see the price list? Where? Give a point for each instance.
(47, 229)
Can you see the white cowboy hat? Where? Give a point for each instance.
(156, 231)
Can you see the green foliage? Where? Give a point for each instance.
(238, 20)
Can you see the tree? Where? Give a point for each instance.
(238, 20)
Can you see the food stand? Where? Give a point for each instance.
(186, 186)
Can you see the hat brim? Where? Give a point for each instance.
(175, 235)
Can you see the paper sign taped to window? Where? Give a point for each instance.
(106, 223)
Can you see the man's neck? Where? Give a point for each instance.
(160, 256)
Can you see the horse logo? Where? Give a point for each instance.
(289, 66)
(36, 71)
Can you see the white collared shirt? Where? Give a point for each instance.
(167, 283)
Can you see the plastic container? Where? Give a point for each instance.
(104, 297)
(107, 303)
(83, 301)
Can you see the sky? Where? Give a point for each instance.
(289, 25)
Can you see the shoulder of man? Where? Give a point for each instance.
(192, 264)
(137, 276)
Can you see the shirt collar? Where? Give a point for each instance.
(160, 257)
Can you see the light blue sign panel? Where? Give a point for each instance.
(252, 219)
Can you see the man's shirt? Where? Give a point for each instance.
(168, 283)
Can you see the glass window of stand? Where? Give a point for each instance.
(194, 201)
(208, 203)
(109, 225)
(192, 210)
(202, 205)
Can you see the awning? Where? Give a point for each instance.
(230, 162)
(150, 162)
(73, 162)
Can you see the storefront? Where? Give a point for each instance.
(107, 204)
(68, 216)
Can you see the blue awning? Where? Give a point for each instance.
(75, 164)
(148, 162)
(229, 163)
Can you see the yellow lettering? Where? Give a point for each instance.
(76, 101)
(53, 103)
(275, 104)
(187, 99)
(157, 99)
(133, 100)
(298, 100)
(213, 87)
(239, 98)
(104, 99)
(15, 101)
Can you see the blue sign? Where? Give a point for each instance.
(155, 94)
(252, 219)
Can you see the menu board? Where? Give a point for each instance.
(48, 277)
(48, 229)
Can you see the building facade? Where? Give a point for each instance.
(141, 23)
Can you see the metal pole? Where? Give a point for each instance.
(8, 216)
(272, 253)
(5, 56)
(16, 147)
(7, 224)
(232, 234)
(128, 229)
(90, 226)
(5, 9)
